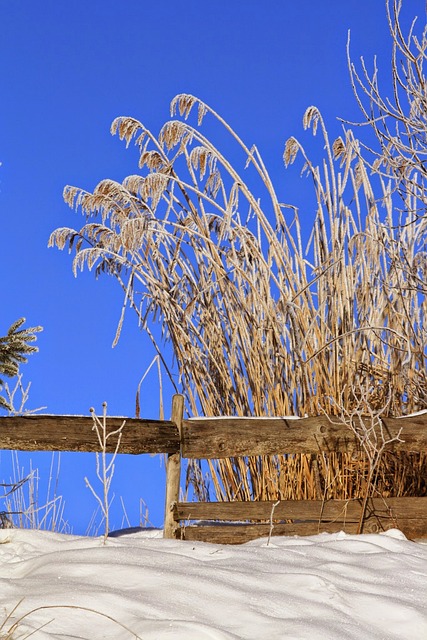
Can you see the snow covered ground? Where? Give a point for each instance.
(329, 586)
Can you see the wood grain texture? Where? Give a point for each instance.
(240, 533)
(74, 433)
(409, 507)
(300, 517)
(173, 473)
(228, 437)
(204, 438)
(316, 510)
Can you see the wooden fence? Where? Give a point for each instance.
(212, 438)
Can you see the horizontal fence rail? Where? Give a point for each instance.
(211, 438)
(75, 433)
(300, 517)
(327, 511)
(206, 438)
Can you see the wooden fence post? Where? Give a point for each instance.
(173, 472)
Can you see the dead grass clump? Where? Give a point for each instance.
(258, 323)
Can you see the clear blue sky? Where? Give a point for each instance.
(67, 69)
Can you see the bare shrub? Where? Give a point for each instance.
(23, 504)
(105, 465)
(398, 118)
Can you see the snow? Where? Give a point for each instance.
(416, 413)
(139, 585)
(245, 418)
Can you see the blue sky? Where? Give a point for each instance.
(66, 71)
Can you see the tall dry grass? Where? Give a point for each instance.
(260, 324)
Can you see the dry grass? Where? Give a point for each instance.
(14, 626)
(258, 323)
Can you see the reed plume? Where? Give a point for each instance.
(259, 324)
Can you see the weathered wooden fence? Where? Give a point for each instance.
(212, 438)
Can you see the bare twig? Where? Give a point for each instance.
(104, 467)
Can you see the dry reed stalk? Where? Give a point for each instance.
(258, 324)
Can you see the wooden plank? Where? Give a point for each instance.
(74, 433)
(211, 438)
(239, 534)
(314, 510)
(414, 432)
(173, 473)
(285, 510)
